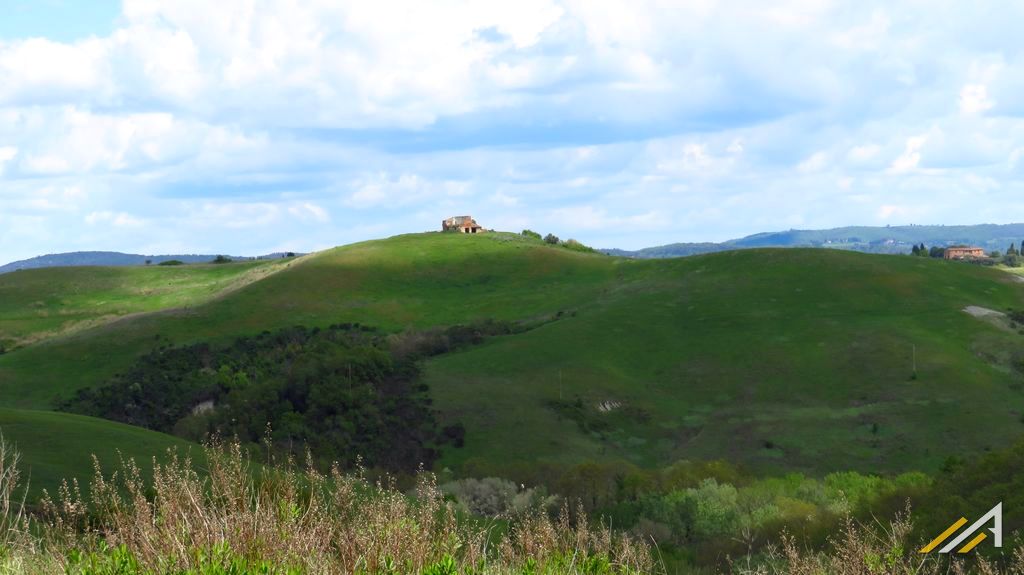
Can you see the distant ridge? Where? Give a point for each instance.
(112, 259)
(884, 240)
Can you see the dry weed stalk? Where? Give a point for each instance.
(318, 523)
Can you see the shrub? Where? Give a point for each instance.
(171, 263)
(577, 246)
(221, 260)
(495, 497)
(551, 239)
(531, 234)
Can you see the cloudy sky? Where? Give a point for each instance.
(248, 126)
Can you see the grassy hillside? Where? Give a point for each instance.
(775, 358)
(58, 446)
(780, 359)
(39, 304)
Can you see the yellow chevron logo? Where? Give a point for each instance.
(995, 515)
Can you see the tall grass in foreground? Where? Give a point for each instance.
(879, 549)
(237, 518)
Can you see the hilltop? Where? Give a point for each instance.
(789, 359)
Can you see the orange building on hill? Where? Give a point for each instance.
(461, 224)
(960, 253)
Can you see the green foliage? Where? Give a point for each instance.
(221, 260)
(337, 390)
(495, 497)
(220, 560)
(171, 263)
(577, 246)
(531, 234)
(1011, 260)
(551, 239)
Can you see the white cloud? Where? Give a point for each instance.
(589, 217)
(696, 120)
(974, 99)
(384, 190)
(863, 153)
(911, 156)
(505, 200)
(309, 211)
(7, 153)
(116, 219)
(814, 163)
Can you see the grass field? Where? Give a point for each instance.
(40, 304)
(778, 359)
(58, 446)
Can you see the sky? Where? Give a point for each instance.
(249, 127)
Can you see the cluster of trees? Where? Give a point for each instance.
(700, 512)
(555, 241)
(923, 251)
(338, 391)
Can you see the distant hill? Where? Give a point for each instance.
(113, 259)
(879, 240)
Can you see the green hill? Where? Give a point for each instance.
(39, 304)
(58, 446)
(780, 359)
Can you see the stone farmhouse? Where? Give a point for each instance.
(959, 253)
(462, 225)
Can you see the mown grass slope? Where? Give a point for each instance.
(39, 304)
(781, 359)
(59, 446)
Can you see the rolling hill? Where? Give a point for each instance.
(70, 259)
(46, 303)
(870, 239)
(791, 359)
(59, 446)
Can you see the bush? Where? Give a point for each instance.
(552, 239)
(221, 260)
(495, 497)
(531, 234)
(336, 390)
(577, 246)
(171, 263)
